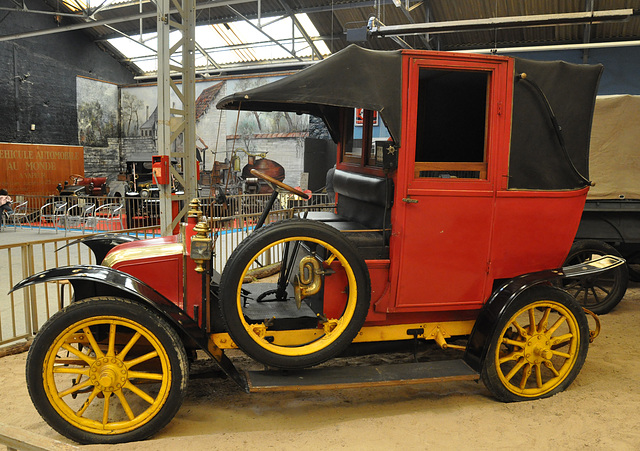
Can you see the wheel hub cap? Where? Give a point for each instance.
(108, 374)
(538, 349)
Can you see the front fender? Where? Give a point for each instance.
(91, 280)
(101, 244)
(485, 326)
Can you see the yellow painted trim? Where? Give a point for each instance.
(399, 331)
(366, 334)
(136, 253)
(214, 348)
(319, 339)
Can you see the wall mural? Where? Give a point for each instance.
(257, 122)
(97, 104)
(276, 136)
(225, 142)
(138, 105)
(218, 138)
(139, 119)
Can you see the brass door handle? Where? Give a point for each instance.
(409, 200)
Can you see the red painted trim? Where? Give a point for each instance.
(544, 194)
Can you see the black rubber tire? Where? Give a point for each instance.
(247, 251)
(633, 267)
(49, 400)
(600, 292)
(536, 300)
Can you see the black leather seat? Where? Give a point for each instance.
(362, 212)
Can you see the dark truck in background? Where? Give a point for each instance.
(610, 222)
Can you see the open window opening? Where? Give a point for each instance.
(451, 124)
(364, 137)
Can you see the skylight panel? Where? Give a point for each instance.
(246, 41)
(238, 42)
(133, 48)
(75, 5)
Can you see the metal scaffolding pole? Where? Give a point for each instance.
(176, 114)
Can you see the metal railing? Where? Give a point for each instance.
(144, 211)
(134, 213)
(23, 312)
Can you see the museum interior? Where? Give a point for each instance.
(284, 224)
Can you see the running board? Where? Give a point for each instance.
(360, 376)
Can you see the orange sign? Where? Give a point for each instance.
(38, 168)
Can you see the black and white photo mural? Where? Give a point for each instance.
(276, 135)
(119, 127)
(97, 104)
(224, 137)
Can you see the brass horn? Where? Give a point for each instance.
(308, 281)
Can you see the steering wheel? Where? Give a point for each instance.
(279, 184)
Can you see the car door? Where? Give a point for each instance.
(446, 193)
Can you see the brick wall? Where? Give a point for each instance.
(104, 162)
(38, 78)
(137, 145)
(101, 161)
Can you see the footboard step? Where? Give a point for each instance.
(360, 376)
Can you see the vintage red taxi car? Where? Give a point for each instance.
(451, 221)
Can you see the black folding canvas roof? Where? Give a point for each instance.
(360, 78)
(354, 78)
(536, 159)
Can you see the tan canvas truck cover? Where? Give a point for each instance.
(615, 148)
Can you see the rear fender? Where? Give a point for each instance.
(486, 323)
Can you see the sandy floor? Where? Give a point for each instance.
(601, 410)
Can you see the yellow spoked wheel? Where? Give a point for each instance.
(107, 370)
(294, 294)
(539, 346)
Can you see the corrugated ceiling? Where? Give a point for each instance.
(333, 18)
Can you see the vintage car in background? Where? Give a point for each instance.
(452, 223)
(142, 204)
(83, 186)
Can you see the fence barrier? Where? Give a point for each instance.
(75, 212)
(24, 311)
